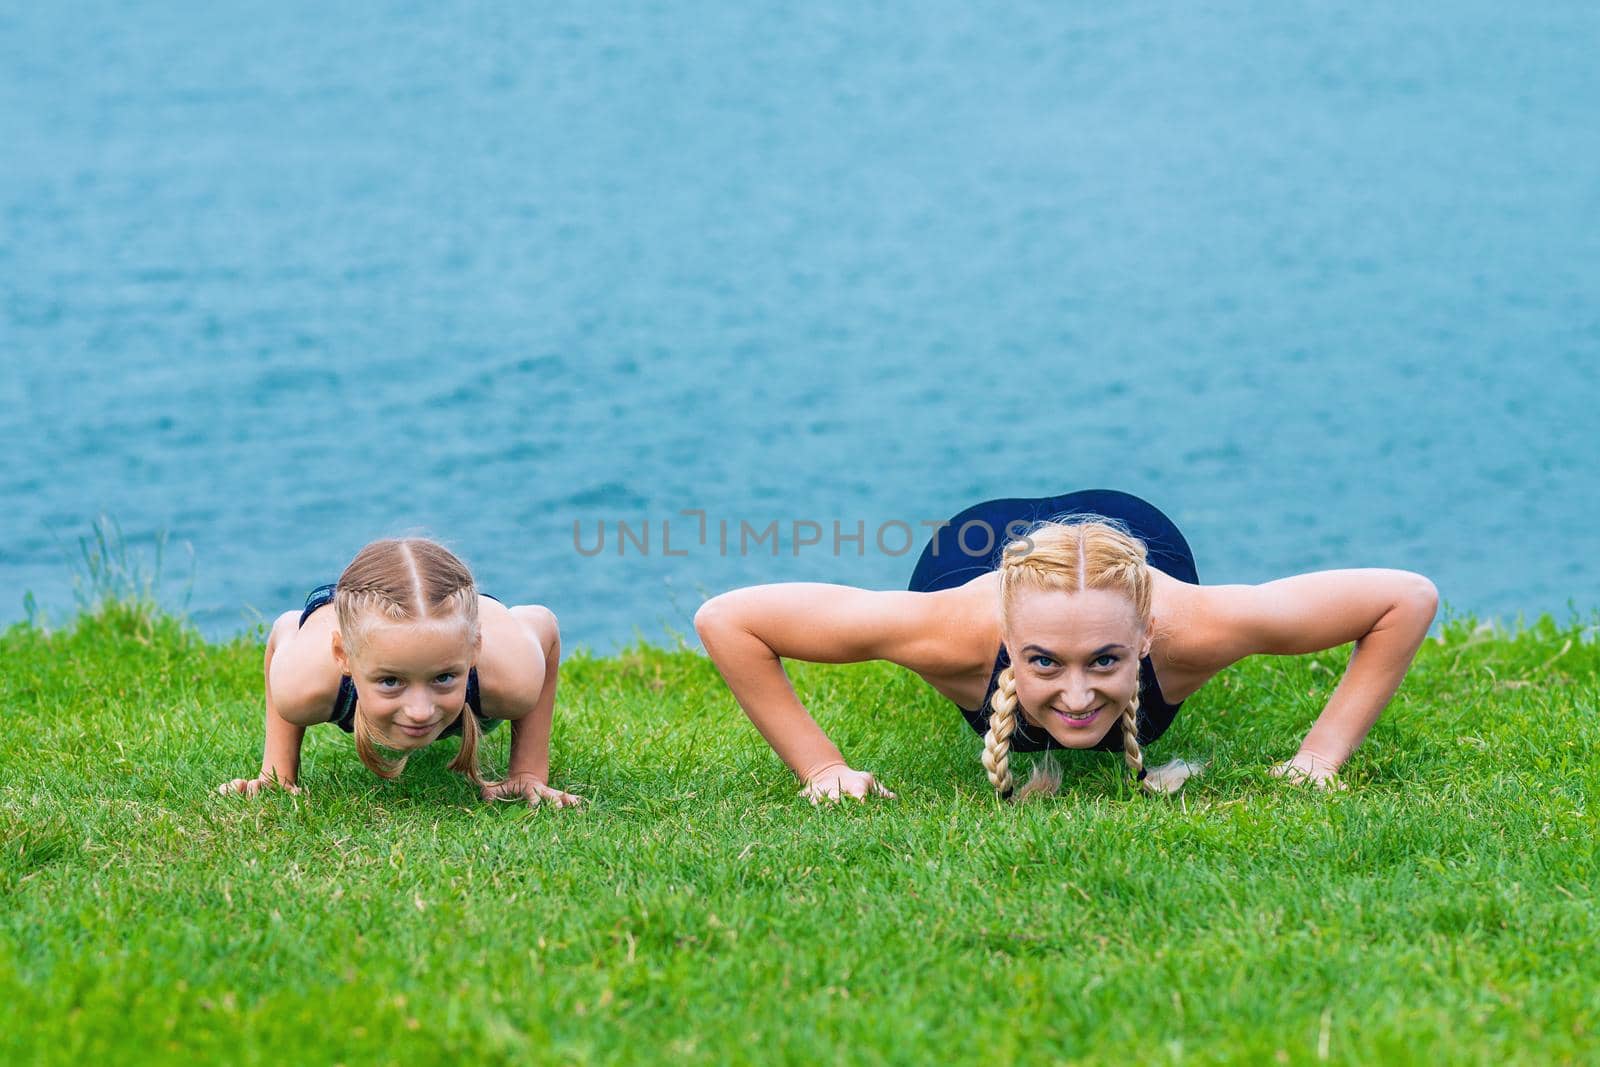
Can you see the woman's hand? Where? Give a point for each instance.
(749, 632)
(1306, 767)
(839, 781)
(531, 788)
(1169, 778)
(251, 786)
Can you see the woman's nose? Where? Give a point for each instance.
(1077, 696)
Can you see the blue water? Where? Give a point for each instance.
(1320, 280)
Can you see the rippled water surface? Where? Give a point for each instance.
(1321, 281)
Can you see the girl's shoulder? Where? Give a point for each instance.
(303, 677)
(514, 660)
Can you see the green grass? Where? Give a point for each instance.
(1441, 910)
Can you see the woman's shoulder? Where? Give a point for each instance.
(1196, 634)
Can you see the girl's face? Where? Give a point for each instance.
(410, 678)
(1076, 657)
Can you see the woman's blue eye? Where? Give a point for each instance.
(1107, 660)
(1046, 665)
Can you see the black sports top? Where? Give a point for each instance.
(344, 704)
(970, 544)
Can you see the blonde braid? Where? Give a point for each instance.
(354, 604)
(466, 761)
(1130, 738)
(1002, 724)
(367, 749)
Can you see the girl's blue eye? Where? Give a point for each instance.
(388, 682)
(444, 679)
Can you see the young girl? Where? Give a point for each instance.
(1102, 630)
(407, 649)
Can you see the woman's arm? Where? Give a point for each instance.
(1385, 612)
(537, 647)
(748, 631)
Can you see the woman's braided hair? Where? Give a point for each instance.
(410, 579)
(1063, 557)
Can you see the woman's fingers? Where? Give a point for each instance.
(854, 784)
(1322, 779)
(1170, 777)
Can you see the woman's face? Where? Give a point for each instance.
(1076, 657)
(410, 678)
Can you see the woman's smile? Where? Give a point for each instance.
(1077, 720)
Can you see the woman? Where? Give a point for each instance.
(1102, 632)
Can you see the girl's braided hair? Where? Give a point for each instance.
(410, 579)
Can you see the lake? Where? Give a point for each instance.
(1320, 281)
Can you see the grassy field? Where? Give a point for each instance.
(1441, 910)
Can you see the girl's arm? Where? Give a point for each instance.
(747, 631)
(281, 669)
(529, 772)
(1385, 612)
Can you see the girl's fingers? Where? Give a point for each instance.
(876, 788)
(533, 794)
(817, 794)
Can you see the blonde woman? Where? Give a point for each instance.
(401, 651)
(1073, 621)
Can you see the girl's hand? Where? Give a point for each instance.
(251, 786)
(528, 787)
(1308, 768)
(839, 781)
